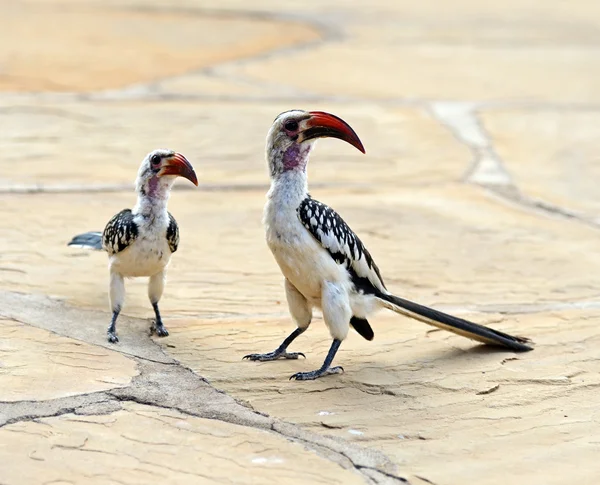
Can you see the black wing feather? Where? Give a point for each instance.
(120, 232)
(342, 243)
(173, 234)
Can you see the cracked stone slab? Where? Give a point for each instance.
(87, 326)
(552, 155)
(151, 44)
(441, 407)
(140, 443)
(93, 403)
(165, 386)
(38, 365)
(404, 146)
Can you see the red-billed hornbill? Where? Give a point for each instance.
(140, 241)
(324, 263)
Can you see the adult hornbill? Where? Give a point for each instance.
(324, 263)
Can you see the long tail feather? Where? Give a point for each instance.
(454, 324)
(90, 240)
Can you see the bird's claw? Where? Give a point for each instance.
(273, 356)
(112, 337)
(315, 374)
(158, 329)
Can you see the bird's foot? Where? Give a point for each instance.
(159, 329)
(112, 337)
(276, 354)
(315, 374)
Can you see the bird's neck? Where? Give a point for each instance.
(288, 189)
(289, 182)
(153, 197)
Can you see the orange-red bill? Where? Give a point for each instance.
(321, 124)
(178, 165)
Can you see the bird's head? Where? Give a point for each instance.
(159, 170)
(294, 132)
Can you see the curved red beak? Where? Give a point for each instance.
(321, 124)
(178, 165)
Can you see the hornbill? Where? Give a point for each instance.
(324, 263)
(140, 241)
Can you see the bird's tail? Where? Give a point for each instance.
(90, 240)
(454, 324)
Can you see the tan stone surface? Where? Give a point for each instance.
(408, 72)
(463, 50)
(37, 365)
(553, 156)
(440, 406)
(451, 246)
(107, 47)
(142, 444)
(410, 393)
(224, 141)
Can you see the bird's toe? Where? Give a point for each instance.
(274, 356)
(292, 355)
(315, 374)
(254, 357)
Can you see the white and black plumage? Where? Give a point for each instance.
(140, 241)
(324, 263)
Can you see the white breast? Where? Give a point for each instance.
(149, 254)
(302, 259)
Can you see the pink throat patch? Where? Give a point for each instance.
(295, 157)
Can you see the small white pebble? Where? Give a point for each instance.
(355, 432)
(325, 413)
(401, 436)
(261, 460)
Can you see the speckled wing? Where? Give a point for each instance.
(173, 234)
(120, 232)
(342, 244)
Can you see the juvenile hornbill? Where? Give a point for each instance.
(325, 265)
(140, 241)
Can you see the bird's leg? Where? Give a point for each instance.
(280, 352)
(301, 312)
(325, 368)
(117, 298)
(156, 285)
(336, 314)
(157, 325)
(112, 328)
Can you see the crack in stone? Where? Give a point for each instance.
(461, 119)
(167, 386)
(425, 479)
(514, 196)
(131, 394)
(393, 478)
(487, 168)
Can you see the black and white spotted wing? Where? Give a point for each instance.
(173, 234)
(345, 247)
(120, 232)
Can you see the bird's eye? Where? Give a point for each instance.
(155, 160)
(291, 125)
